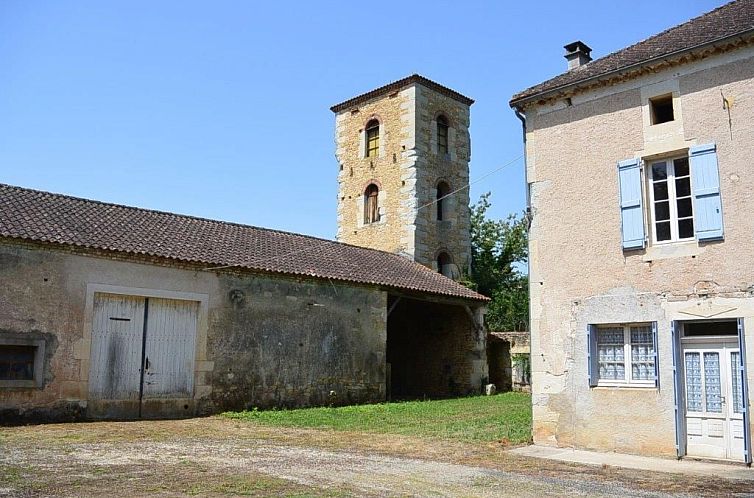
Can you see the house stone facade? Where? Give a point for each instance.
(411, 166)
(642, 243)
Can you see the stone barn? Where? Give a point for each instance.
(108, 311)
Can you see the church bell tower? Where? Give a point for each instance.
(403, 152)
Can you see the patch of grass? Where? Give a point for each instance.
(504, 417)
(254, 485)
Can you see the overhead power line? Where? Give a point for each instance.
(449, 194)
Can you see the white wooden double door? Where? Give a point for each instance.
(714, 400)
(142, 349)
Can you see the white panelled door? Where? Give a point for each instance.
(169, 350)
(714, 403)
(142, 349)
(117, 329)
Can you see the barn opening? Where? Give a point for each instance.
(434, 349)
(499, 361)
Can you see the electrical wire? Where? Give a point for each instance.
(449, 194)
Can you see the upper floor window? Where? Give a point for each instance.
(682, 195)
(373, 138)
(442, 135)
(671, 201)
(442, 202)
(371, 204)
(661, 109)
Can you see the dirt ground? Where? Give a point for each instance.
(221, 457)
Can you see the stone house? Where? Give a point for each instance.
(642, 243)
(109, 311)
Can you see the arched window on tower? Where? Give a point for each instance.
(371, 206)
(442, 135)
(444, 264)
(442, 201)
(373, 138)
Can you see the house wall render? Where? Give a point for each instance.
(579, 274)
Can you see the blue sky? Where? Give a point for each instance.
(221, 109)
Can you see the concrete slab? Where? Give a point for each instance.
(685, 466)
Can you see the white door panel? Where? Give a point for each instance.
(117, 329)
(714, 429)
(170, 349)
(121, 347)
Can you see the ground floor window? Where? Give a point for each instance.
(623, 354)
(21, 361)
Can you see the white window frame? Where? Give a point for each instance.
(672, 200)
(627, 361)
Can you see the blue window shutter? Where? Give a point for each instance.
(680, 418)
(744, 390)
(631, 212)
(592, 355)
(656, 354)
(705, 178)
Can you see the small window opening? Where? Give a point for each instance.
(443, 264)
(442, 135)
(442, 202)
(661, 109)
(17, 362)
(373, 138)
(696, 329)
(371, 207)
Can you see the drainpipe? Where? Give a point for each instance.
(526, 175)
(528, 215)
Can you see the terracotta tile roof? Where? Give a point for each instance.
(732, 19)
(397, 85)
(33, 215)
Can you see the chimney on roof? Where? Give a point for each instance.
(577, 54)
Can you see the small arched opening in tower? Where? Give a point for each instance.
(443, 189)
(444, 264)
(442, 135)
(373, 138)
(371, 204)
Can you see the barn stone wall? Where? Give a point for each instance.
(262, 340)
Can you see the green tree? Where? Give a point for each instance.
(499, 251)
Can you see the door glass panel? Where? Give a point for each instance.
(738, 403)
(713, 396)
(693, 383)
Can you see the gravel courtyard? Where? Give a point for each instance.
(217, 456)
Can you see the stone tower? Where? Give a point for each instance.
(400, 149)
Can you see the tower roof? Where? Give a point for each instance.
(398, 85)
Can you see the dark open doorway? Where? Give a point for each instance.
(433, 350)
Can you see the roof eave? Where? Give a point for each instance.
(397, 85)
(520, 103)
